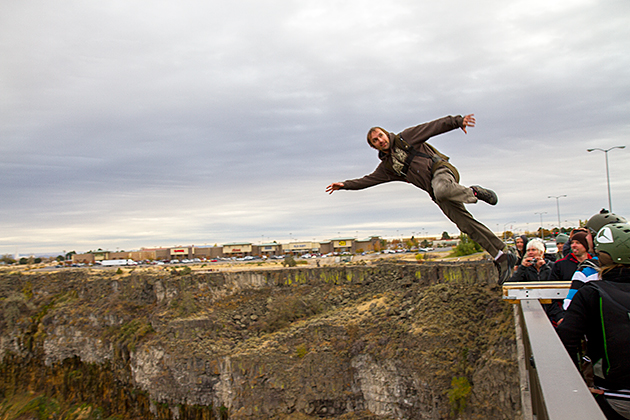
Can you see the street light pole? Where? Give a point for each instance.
(504, 226)
(557, 197)
(607, 173)
(541, 225)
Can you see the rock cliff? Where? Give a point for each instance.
(386, 341)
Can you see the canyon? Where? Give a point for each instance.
(389, 340)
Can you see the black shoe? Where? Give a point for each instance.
(485, 194)
(504, 264)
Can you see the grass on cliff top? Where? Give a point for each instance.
(39, 406)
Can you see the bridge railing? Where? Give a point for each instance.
(551, 386)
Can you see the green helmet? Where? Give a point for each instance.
(614, 239)
(601, 219)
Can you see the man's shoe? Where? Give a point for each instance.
(485, 194)
(504, 264)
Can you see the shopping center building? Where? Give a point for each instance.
(237, 249)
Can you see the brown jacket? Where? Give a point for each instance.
(420, 170)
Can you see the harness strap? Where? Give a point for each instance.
(411, 153)
(439, 160)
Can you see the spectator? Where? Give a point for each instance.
(601, 219)
(599, 312)
(534, 266)
(564, 268)
(561, 239)
(587, 270)
(521, 249)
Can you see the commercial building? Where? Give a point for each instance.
(237, 250)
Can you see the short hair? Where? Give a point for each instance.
(536, 243)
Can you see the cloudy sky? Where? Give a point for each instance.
(128, 124)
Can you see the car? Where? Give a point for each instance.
(551, 247)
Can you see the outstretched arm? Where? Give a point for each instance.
(334, 187)
(379, 176)
(469, 121)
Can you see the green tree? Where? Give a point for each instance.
(445, 235)
(7, 259)
(466, 246)
(289, 261)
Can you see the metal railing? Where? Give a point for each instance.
(551, 386)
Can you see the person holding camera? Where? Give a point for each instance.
(534, 266)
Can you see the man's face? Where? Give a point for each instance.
(577, 248)
(379, 140)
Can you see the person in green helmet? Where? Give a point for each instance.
(599, 313)
(587, 270)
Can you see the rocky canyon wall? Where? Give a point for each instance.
(386, 341)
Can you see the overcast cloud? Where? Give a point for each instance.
(128, 124)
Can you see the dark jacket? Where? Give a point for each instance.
(531, 273)
(420, 170)
(582, 318)
(564, 268)
(520, 254)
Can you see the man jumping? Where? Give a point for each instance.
(408, 157)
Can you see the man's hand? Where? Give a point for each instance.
(469, 121)
(334, 187)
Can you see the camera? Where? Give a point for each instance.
(533, 260)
